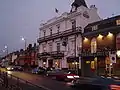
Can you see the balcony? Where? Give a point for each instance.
(54, 54)
(60, 34)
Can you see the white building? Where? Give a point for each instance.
(60, 40)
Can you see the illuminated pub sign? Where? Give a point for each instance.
(118, 42)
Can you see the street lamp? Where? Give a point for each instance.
(6, 47)
(23, 39)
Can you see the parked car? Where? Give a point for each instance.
(18, 68)
(39, 70)
(62, 75)
(10, 68)
(95, 83)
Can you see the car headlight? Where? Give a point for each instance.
(70, 77)
(8, 68)
(76, 76)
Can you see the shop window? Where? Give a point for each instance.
(93, 46)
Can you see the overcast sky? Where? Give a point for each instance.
(22, 18)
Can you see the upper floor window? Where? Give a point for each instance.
(58, 46)
(95, 27)
(58, 28)
(118, 22)
(44, 47)
(73, 24)
(44, 32)
(50, 31)
(50, 47)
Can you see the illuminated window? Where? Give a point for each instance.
(93, 45)
(118, 22)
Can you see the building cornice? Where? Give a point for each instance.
(60, 19)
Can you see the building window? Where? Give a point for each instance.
(73, 24)
(58, 28)
(44, 47)
(93, 45)
(58, 46)
(50, 47)
(95, 27)
(118, 22)
(50, 31)
(44, 32)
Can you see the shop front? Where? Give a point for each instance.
(73, 62)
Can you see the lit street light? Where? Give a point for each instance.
(23, 39)
(6, 47)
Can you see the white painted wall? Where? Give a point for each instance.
(65, 24)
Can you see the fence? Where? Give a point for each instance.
(14, 83)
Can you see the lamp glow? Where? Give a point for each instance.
(118, 53)
(100, 36)
(110, 34)
(85, 39)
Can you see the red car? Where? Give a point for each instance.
(66, 76)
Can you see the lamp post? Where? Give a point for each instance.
(23, 39)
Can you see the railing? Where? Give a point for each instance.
(11, 82)
(61, 34)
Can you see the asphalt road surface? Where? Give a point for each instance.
(45, 82)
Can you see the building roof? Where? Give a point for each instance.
(103, 21)
(78, 3)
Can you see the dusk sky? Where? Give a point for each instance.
(22, 18)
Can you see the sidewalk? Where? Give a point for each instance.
(18, 84)
(3, 88)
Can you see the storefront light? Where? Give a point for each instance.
(110, 34)
(76, 63)
(100, 36)
(118, 53)
(85, 39)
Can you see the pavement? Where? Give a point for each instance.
(41, 81)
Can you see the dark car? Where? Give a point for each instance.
(95, 83)
(39, 70)
(9, 68)
(18, 68)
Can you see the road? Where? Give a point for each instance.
(45, 82)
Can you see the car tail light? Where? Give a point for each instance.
(114, 87)
(70, 77)
(76, 76)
